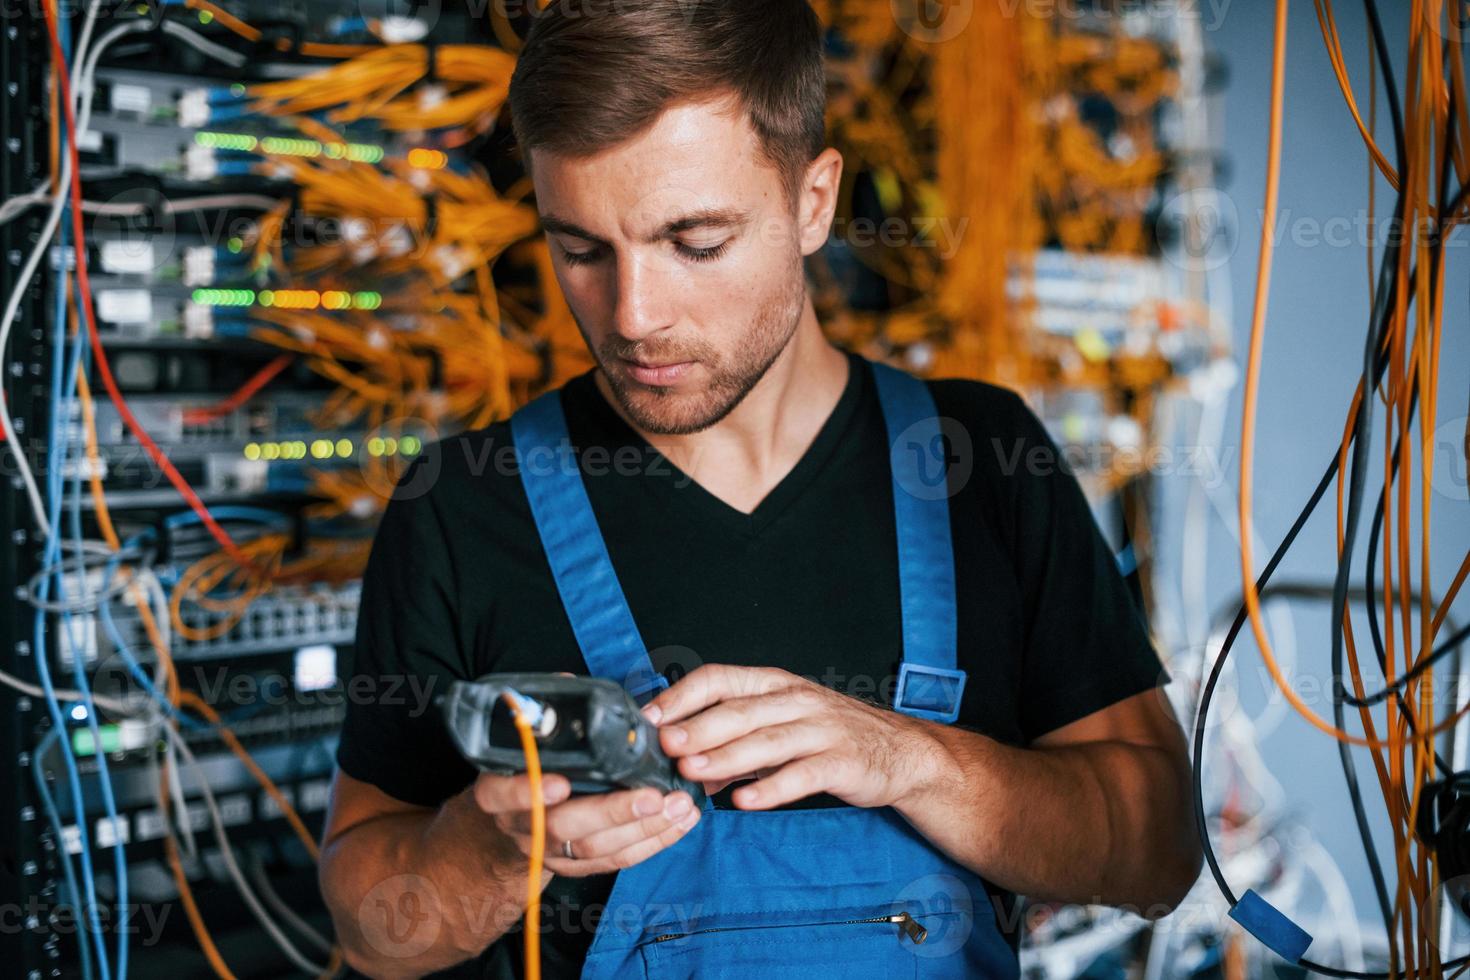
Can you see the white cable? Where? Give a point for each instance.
(155, 591)
(160, 611)
(1195, 534)
(200, 43)
(1341, 920)
(116, 705)
(260, 202)
(7, 320)
(83, 90)
(21, 203)
(227, 854)
(43, 244)
(176, 790)
(286, 912)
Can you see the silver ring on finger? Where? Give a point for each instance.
(566, 849)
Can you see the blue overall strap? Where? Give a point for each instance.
(594, 602)
(929, 685)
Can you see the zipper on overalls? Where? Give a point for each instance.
(907, 924)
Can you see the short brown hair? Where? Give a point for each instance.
(594, 73)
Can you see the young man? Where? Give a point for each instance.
(906, 667)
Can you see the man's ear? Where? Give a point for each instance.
(817, 200)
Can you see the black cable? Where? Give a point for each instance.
(1201, 719)
(1358, 469)
(1208, 692)
(1374, 366)
(1409, 676)
(1370, 589)
(1377, 366)
(1323, 593)
(1370, 582)
(1390, 84)
(1436, 247)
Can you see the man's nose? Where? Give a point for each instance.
(642, 302)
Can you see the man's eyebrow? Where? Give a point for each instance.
(703, 218)
(560, 226)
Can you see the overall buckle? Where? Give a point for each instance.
(644, 689)
(932, 693)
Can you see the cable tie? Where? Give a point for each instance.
(1271, 926)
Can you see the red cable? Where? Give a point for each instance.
(104, 369)
(246, 392)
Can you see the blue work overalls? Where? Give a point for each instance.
(834, 892)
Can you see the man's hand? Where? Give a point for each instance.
(799, 738)
(607, 831)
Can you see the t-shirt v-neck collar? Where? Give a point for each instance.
(592, 421)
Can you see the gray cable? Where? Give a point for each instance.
(227, 854)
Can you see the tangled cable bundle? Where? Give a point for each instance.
(440, 223)
(403, 87)
(1406, 611)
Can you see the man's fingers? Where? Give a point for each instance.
(794, 781)
(643, 850)
(764, 748)
(729, 720)
(617, 815)
(581, 816)
(512, 794)
(711, 787)
(679, 811)
(711, 684)
(612, 849)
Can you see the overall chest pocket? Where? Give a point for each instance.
(864, 947)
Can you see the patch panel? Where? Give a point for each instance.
(286, 618)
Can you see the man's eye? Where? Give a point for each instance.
(707, 254)
(577, 258)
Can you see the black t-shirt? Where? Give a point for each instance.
(458, 586)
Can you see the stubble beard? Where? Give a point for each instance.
(671, 411)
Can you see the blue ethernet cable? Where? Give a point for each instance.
(50, 555)
(53, 819)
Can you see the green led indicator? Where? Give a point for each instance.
(364, 153)
(82, 744)
(223, 297)
(288, 146)
(241, 142)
